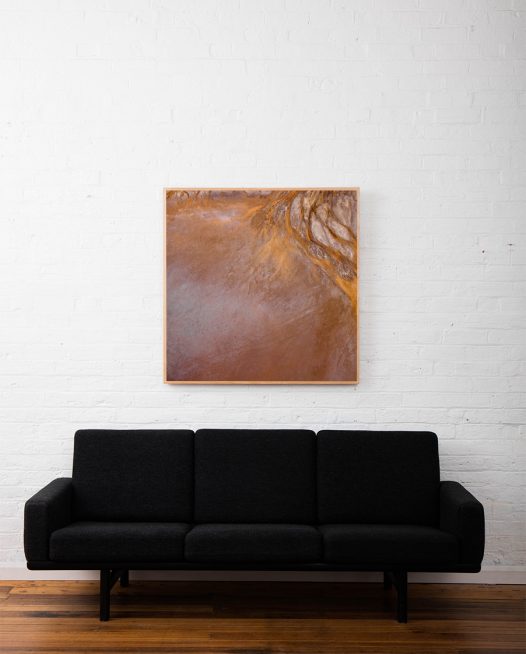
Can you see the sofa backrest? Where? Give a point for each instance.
(255, 476)
(133, 475)
(378, 477)
(258, 476)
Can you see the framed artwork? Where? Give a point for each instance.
(261, 286)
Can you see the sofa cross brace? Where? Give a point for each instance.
(398, 579)
(108, 579)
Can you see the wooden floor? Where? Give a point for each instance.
(260, 618)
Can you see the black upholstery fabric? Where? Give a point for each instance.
(266, 476)
(385, 544)
(367, 477)
(463, 515)
(249, 543)
(119, 541)
(130, 475)
(258, 496)
(47, 510)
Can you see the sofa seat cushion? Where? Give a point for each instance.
(119, 541)
(247, 543)
(404, 544)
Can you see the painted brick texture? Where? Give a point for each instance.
(421, 103)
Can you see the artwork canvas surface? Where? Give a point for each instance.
(261, 286)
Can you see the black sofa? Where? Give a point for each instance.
(254, 500)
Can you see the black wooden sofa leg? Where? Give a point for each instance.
(401, 588)
(105, 590)
(108, 579)
(398, 578)
(125, 579)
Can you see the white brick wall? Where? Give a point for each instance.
(421, 103)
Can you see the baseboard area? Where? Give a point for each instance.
(488, 575)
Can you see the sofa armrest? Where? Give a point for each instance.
(462, 514)
(47, 510)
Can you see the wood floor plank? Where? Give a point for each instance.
(260, 618)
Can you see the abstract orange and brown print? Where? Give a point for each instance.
(261, 286)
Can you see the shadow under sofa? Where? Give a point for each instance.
(227, 499)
